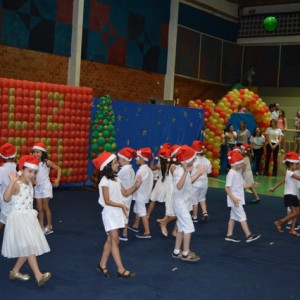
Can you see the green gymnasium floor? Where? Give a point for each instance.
(265, 184)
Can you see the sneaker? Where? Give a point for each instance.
(133, 229)
(252, 237)
(48, 230)
(288, 226)
(205, 217)
(232, 238)
(195, 219)
(123, 237)
(191, 257)
(143, 236)
(179, 255)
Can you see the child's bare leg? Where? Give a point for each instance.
(106, 252)
(203, 206)
(186, 242)
(150, 208)
(145, 221)
(125, 230)
(174, 232)
(48, 213)
(230, 228)
(19, 264)
(40, 209)
(136, 222)
(295, 210)
(195, 211)
(245, 228)
(254, 192)
(178, 242)
(1, 226)
(32, 260)
(115, 251)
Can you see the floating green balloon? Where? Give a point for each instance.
(270, 23)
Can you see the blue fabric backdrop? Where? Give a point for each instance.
(141, 125)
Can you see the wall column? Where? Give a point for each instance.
(76, 43)
(172, 40)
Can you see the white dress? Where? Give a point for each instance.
(113, 217)
(7, 168)
(247, 172)
(23, 235)
(43, 188)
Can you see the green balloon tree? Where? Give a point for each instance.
(103, 130)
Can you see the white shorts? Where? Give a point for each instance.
(238, 214)
(43, 191)
(184, 220)
(140, 208)
(198, 195)
(127, 202)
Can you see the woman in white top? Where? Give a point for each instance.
(243, 134)
(274, 137)
(257, 141)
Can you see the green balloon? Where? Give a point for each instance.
(100, 141)
(94, 148)
(94, 133)
(106, 133)
(270, 23)
(108, 147)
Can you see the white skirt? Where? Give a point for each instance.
(23, 235)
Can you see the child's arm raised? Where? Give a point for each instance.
(12, 188)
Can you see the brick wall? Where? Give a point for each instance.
(189, 89)
(30, 65)
(120, 83)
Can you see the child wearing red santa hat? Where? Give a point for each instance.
(23, 237)
(114, 213)
(200, 185)
(235, 185)
(142, 195)
(7, 153)
(127, 176)
(292, 184)
(43, 190)
(182, 184)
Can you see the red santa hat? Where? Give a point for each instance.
(39, 146)
(164, 152)
(292, 157)
(235, 158)
(174, 149)
(166, 145)
(246, 147)
(236, 148)
(127, 153)
(144, 153)
(103, 160)
(28, 161)
(198, 146)
(185, 154)
(7, 151)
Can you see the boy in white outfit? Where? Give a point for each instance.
(200, 185)
(235, 185)
(127, 175)
(142, 195)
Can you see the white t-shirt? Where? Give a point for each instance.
(235, 181)
(142, 194)
(291, 184)
(274, 134)
(127, 175)
(202, 180)
(257, 141)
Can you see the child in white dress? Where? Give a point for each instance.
(8, 153)
(126, 175)
(23, 237)
(247, 171)
(200, 185)
(114, 213)
(43, 190)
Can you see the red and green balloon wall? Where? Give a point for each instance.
(56, 114)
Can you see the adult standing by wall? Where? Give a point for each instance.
(297, 134)
(243, 134)
(273, 137)
(257, 141)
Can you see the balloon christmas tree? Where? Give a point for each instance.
(103, 130)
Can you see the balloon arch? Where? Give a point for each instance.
(217, 116)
